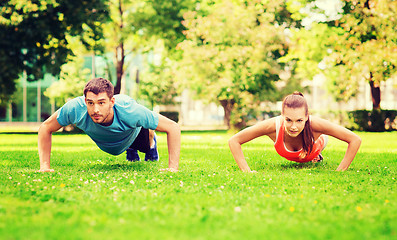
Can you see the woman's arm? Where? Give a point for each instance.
(341, 133)
(262, 128)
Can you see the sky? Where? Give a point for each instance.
(321, 11)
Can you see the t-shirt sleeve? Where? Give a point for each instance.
(148, 119)
(69, 113)
(134, 114)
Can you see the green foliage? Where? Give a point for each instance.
(372, 39)
(136, 27)
(159, 85)
(72, 80)
(96, 195)
(162, 20)
(361, 45)
(231, 54)
(309, 47)
(366, 49)
(73, 75)
(374, 121)
(33, 36)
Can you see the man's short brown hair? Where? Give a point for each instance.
(99, 85)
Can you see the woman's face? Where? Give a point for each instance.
(294, 120)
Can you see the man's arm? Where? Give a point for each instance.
(44, 141)
(173, 140)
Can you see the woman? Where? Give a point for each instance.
(297, 136)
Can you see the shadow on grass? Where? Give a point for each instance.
(307, 165)
(126, 166)
(194, 132)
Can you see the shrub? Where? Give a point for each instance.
(174, 116)
(373, 121)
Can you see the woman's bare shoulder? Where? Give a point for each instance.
(267, 126)
(322, 125)
(261, 128)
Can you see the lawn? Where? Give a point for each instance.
(93, 195)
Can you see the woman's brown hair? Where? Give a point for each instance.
(297, 100)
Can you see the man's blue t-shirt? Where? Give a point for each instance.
(129, 118)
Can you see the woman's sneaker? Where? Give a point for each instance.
(317, 159)
(153, 154)
(132, 155)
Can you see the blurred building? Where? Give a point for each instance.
(320, 99)
(29, 104)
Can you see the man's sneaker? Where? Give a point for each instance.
(132, 155)
(153, 154)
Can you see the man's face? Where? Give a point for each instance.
(100, 107)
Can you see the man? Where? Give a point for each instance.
(115, 123)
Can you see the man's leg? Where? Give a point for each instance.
(132, 155)
(141, 143)
(145, 142)
(153, 154)
(151, 138)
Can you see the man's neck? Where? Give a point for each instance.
(109, 119)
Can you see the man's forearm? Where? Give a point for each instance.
(44, 145)
(174, 147)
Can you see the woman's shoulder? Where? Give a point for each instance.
(268, 125)
(319, 124)
(271, 120)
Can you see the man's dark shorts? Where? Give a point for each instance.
(142, 142)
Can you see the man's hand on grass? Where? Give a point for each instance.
(168, 170)
(46, 170)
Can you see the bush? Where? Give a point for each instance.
(373, 121)
(174, 116)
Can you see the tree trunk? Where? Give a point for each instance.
(227, 105)
(119, 67)
(375, 93)
(120, 55)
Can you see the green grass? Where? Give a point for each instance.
(93, 195)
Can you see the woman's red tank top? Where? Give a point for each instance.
(295, 155)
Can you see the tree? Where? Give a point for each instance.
(159, 86)
(72, 80)
(163, 20)
(359, 45)
(136, 27)
(133, 28)
(368, 47)
(33, 36)
(72, 77)
(308, 52)
(230, 55)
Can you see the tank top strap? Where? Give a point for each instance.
(278, 125)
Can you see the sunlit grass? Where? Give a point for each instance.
(96, 195)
